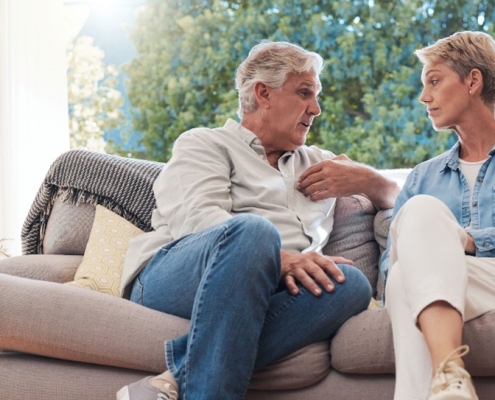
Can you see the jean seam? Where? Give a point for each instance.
(284, 306)
(169, 359)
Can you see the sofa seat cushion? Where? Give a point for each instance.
(51, 268)
(363, 345)
(60, 321)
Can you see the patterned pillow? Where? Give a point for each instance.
(101, 267)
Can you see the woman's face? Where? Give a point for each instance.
(446, 97)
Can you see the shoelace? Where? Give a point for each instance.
(448, 367)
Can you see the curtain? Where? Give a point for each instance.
(33, 105)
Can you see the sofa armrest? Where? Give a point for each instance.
(53, 268)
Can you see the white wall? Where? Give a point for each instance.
(33, 104)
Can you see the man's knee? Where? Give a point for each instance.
(356, 286)
(258, 228)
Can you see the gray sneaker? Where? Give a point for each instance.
(143, 390)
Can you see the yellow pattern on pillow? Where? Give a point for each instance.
(101, 267)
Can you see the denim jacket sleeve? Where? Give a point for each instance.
(484, 240)
(405, 194)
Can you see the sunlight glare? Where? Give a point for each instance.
(107, 4)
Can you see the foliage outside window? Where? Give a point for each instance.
(94, 102)
(183, 76)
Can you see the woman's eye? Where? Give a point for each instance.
(434, 82)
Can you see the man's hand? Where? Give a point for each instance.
(310, 269)
(342, 177)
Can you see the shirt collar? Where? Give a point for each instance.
(243, 133)
(249, 137)
(452, 159)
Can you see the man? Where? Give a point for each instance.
(243, 212)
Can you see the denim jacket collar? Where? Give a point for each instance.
(452, 159)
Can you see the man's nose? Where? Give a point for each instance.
(315, 108)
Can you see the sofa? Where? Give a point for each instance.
(61, 342)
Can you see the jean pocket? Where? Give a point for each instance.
(137, 292)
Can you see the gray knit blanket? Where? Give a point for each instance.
(120, 184)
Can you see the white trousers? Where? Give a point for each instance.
(428, 264)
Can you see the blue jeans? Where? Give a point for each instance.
(226, 280)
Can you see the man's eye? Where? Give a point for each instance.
(434, 82)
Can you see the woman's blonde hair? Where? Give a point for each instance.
(462, 52)
(270, 63)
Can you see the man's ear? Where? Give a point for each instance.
(475, 80)
(262, 94)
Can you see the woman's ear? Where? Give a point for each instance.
(262, 94)
(475, 80)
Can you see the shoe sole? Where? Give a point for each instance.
(123, 394)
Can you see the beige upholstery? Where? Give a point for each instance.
(86, 344)
(68, 228)
(87, 326)
(51, 268)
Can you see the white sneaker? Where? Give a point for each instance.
(143, 390)
(452, 382)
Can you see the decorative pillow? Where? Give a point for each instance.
(101, 267)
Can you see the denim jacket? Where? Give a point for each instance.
(442, 178)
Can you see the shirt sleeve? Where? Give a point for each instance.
(193, 190)
(484, 240)
(404, 195)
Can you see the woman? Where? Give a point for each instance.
(442, 239)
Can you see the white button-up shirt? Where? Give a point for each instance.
(215, 174)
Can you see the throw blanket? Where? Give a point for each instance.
(120, 184)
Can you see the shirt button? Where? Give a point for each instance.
(480, 179)
(475, 203)
(485, 245)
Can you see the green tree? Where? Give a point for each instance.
(188, 52)
(94, 102)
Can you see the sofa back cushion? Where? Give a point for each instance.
(353, 235)
(68, 228)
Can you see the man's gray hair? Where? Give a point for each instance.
(270, 63)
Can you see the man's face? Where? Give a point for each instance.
(291, 111)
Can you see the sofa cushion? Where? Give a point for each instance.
(51, 268)
(61, 321)
(101, 268)
(68, 228)
(352, 235)
(363, 345)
